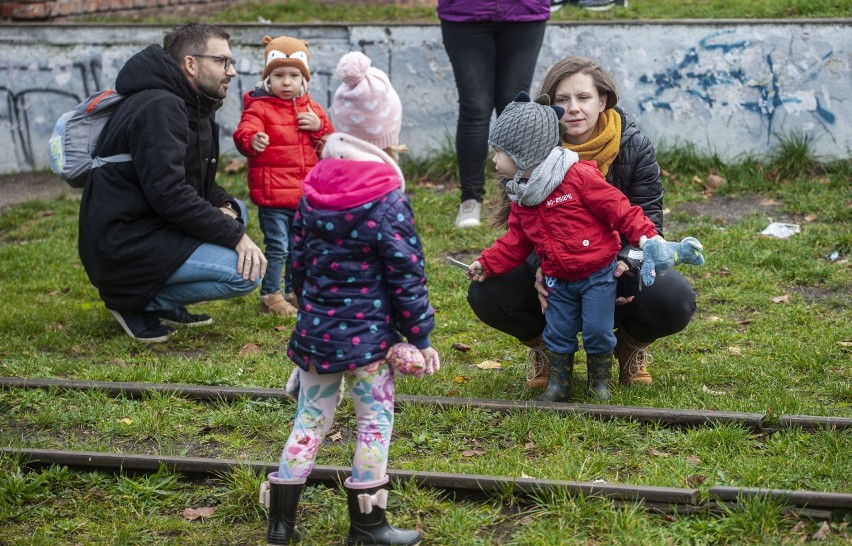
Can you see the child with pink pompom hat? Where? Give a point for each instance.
(359, 271)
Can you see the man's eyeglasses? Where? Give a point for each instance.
(227, 62)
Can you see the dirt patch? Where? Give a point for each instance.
(731, 210)
(38, 185)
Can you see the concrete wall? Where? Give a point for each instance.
(728, 87)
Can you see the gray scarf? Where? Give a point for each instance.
(544, 179)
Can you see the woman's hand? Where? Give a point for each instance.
(540, 289)
(476, 272)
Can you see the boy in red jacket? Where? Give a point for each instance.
(281, 131)
(564, 210)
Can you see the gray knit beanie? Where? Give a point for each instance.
(526, 131)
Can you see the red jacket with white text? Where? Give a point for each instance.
(575, 230)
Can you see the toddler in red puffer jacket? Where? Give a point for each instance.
(281, 132)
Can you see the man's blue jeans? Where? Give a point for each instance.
(276, 225)
(210, 273)
(587, 305)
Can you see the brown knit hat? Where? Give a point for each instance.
(285, 51)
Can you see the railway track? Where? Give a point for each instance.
(667, 416)
(814, 504)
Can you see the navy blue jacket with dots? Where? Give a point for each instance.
(358, 268)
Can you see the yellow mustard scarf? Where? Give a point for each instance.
(605, 142)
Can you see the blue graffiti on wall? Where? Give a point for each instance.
(701, 78)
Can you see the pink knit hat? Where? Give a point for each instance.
(366, 105)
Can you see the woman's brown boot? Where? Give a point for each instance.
(632, 359)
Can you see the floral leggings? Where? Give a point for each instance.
(372, 391)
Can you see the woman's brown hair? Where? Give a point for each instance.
(575, 65)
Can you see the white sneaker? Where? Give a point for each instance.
(468, 215)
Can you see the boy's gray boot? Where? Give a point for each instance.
(599, 375)
(281, 498)
(367, 522)
(559, 376)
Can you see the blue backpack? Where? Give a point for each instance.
(76, 136)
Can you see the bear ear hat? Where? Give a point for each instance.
(544, 100)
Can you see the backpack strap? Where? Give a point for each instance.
(101, 161)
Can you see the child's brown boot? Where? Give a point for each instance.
(275, 303)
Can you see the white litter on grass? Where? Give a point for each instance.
(781, 230)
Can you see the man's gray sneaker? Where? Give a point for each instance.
(468, 215)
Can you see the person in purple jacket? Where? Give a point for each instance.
(493, 47)
(358, 271)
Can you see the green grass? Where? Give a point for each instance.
(307, 11)
(742, 352)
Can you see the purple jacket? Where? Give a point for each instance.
(475, 11)
(357, 267)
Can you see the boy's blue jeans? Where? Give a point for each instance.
(276, 225)
(210, 273)
(586, 305)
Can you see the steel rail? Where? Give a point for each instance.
(669, 416)
(815, 504)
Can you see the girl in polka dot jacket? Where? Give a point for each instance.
(358, 269)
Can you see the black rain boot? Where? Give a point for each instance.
(367, 522)
(281, 498)
(559, 376)
(599, 375)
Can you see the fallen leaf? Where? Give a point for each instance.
(336, 437)
(250, 349)
(786, 298)
(693, 459)
(118, 362)
(235, 165)
(694, 480)
(768, 202)
(714, 182)
(823, 532)
(459, 379)
(708, 390)
(799, 527)
(810, 218)
(281, 328)
(193, 514)
(472, 453)
(126, 421)
(658, 453)
(461, 347)
(488, 365)
(714, 318)
(735, 351)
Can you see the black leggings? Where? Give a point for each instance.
(492, 61)
(509, 303)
